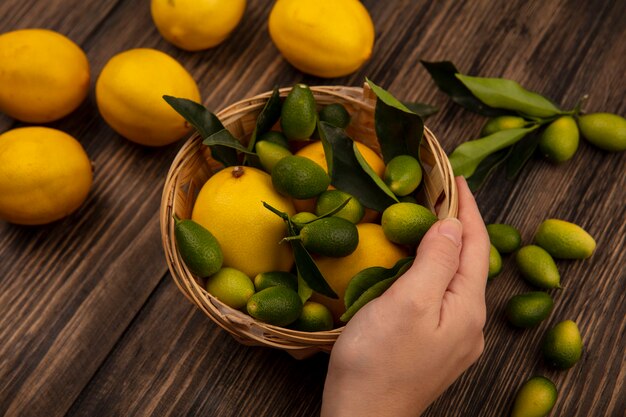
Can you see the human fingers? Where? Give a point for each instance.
(436, 262)
(474, 260)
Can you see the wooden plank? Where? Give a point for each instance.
(594, 296)
(174, 361)
(69, 291)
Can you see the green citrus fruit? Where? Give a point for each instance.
(502, 123)
(275, 278)
(315, 317)
(336, 115)
(564, 240)
(407, 223)
(505, 238)
(230, 286)
(606, 131)
(403, 175)
(276, 305)
(538, 267)
(535, 398)
(300, 219)
(330, 236)
(495, 262)
(530, 309)
(275, 137)
(199, 249)
(562, 345)
(331, 199)
(559, 141)
(299, 177)
(298, 117)
(270, 153)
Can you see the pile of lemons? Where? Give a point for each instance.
(45, 174)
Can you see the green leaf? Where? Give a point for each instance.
(487, 167)
(345, 171)
(225, 139)
(266, 119)
(443, 74)
(373, 292)
(421, 109)
(370, 172)
(307, 269)
(466, 158)
(398, 129)
(304, 291)
(508, 94)
(206, 123)
(521, 152)
(370, 276)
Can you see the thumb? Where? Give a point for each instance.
(436, 261)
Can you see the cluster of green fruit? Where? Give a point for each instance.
(509, 138)
(562, 345)
(323, 217)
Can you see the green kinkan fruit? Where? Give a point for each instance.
(274, 137)
(504, 237)
(535, 398)
(298, 116)
(502, 123)
(330, 236)
(562, 345)
(328, 200)
(559, 141)
(406, 223)
(230, 286)
(529, 309)
(605, 130)
(275, 278)
(403, 174)
(564, 240)
(299, 177)
(276, 305)
(336, 115)
(199, 249)
(315, 317)
(495, 263)
(538, 267)
(302, 218)
(270, 154)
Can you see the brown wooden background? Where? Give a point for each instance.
(91, 323)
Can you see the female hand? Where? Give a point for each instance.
(403, 349)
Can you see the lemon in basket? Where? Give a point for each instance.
(230, 206)
(45, 175)
(373, 250)
(44, 75)
(194, 25)
(326, 38)
(130, 90)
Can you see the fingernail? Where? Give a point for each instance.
(452, 229)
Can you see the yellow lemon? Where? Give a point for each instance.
(315, 152)
(45, 175)
(326, 38)
(130, 90)
(194, 25)
(230, 206)
(44, 75)
(373, 250)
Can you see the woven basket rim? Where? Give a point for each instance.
(361, 97)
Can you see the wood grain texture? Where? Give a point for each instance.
(93, 326)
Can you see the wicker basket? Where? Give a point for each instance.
(193, 166)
